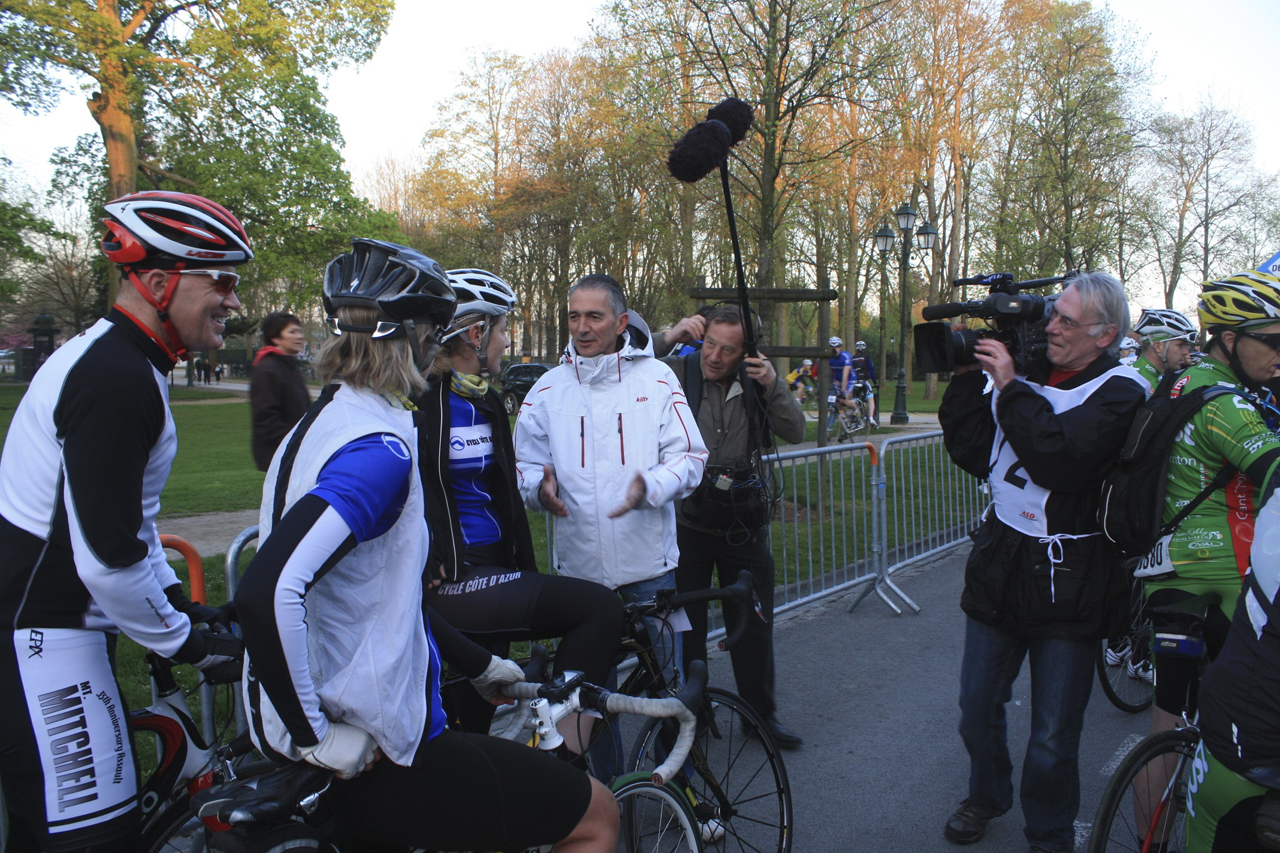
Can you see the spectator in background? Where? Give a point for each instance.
(278, 396)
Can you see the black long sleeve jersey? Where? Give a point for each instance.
(85, 460)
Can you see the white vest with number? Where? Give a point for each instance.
(1018, 501)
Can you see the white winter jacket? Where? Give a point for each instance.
(596, 422)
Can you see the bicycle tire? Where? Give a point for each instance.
(733, 754)
(1128, 805)
(1125, 691)
(654, 818)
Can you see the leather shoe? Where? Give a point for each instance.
(782, 736)
(968, 823)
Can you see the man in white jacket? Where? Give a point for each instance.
(606, 443)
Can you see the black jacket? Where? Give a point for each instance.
(1010, 581)
(278, 398)
(438, 494)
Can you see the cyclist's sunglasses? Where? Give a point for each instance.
(224, 281)
(1271, 340)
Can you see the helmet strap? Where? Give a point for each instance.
(482, 349)
(422, 355)
(1237, 368)
(176, 348)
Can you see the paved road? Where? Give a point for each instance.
(874, 696)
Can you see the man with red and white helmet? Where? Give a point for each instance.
(84, 462)
(1167, 340)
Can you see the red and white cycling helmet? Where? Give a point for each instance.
(161, 230)
(168, 230)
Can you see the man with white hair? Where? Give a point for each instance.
(1041, 581)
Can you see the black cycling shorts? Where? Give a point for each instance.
(1177, 678)
(464, 792)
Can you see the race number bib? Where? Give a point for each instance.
(1156, 563)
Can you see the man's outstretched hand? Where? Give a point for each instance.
(635, 495)
(548, 494)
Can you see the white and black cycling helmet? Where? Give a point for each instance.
(1161, 324)
(482, 298)
(860, 346)
(833, 341)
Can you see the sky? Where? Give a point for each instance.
(385, 106)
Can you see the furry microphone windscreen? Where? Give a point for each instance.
(699, 151)
(736, 115)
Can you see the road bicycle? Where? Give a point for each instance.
(284, 809)
(1124, 661)
(735, 779)
(185, 765)
(1143, 807)
(849, 414)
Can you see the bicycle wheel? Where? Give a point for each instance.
(1124, 663)
(1144, 803)
(654, 818)
(735, 775)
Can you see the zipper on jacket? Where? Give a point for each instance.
(582, 437)
(622, 440)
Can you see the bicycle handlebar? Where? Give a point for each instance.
(589, 697)
(740, 594)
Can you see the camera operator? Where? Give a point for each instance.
(1040, 581)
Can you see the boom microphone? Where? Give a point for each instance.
(707, 143)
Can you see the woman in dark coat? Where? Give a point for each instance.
(278, 396)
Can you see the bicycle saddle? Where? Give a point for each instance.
(1188, 610)
(270, 798)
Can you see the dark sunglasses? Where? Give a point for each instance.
(223, 281)
(1271, 340)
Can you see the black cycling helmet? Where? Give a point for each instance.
(399, 282)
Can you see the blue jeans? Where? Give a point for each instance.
(667, 644)
(1061, 680)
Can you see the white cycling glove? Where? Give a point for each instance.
(499, 672)
(345, 749)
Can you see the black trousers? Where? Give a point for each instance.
(752, 655)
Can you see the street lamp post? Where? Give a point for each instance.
(906, 223)
(926, 238)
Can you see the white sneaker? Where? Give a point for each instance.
(1117, 656)
(712, 830)
(1141, 669)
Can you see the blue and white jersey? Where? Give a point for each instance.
(471, 471)
(843, 359)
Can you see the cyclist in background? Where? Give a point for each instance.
(85, 460)
(842, 375)
(1129, 351)
(801, 380)
(342, 669)
(1167, 340)
(864, 370)
(481, 546)
(1209, 552)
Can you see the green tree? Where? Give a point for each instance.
(151, 66)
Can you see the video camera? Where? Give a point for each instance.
(1019, 321)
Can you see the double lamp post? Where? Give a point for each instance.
(926, 238)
